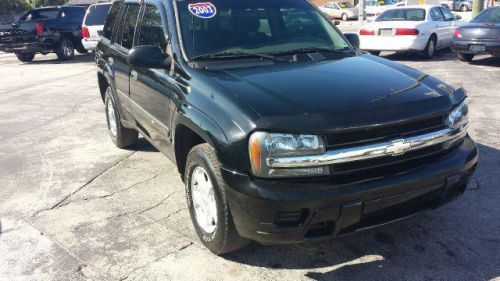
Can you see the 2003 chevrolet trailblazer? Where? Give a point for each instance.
(268, 113)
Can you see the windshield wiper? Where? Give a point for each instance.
(236, 54)
(315, 50)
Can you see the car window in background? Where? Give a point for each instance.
(128, 27)
(489, 15)
(41, 14)
(151, 29)
(402, 15)
(448, 16)
(386, 2)
(96, 15)
(345, 5)
(111, 19)
(257, 26)
(436, 15)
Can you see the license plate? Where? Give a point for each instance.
(476, 48)
(385, 32)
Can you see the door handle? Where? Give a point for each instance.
(133, 75)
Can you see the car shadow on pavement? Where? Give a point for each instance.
(143, 145)
(441, 55)
(459, 241)
(78, 58)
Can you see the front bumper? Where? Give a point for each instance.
(280, 211)
(392, 43)
(491, 46)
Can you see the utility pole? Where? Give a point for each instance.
(361, 12)
(477, 7)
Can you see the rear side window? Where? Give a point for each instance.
(448, 16)
(151, 29)
(73, 14)
(96, 15)
(128, 26)
(111, 19)
(41, 14)
(436, 15)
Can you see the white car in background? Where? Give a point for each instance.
(93, 24)
(422, 29)
(340, 10)
(375, 7)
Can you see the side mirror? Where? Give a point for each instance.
(148, 56)
(353, 38)
(458, 17)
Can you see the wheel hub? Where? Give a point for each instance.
(204, 203)
(111, 118)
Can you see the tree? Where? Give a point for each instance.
(43, 3)
(12, 7)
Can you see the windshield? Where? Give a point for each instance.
(402, 15)
(345, 5)
(256, 27)
(386, 2)
(96, 15)
(41, 14)
(489, 15)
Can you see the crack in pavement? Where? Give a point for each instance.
(61, 202)
(191, 243)
(109, 194)
(138, 212)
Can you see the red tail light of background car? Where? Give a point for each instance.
(457, 33)
(85, 32)
(406, 31)
(39, 28)
(366, 32)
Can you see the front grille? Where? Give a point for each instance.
(374, 134)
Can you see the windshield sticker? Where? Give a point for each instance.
(204, 10)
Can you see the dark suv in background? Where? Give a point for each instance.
(274, 127)
(45, 30)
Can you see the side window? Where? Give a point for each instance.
(151, 29)
(448, 16)
(128, 26)
(111, 19)
(436, 15)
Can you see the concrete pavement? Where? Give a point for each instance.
(74, 207)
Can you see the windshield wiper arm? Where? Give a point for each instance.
(314, 50)
(236, 54)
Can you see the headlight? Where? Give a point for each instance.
(263, 145)
(459, 117)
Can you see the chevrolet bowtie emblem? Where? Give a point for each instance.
(398, 147)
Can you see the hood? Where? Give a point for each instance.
(351, 92)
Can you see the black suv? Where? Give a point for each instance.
(45, 30)
(281, 129)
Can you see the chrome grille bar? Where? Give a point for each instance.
(365, 152)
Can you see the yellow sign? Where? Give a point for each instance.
(421, 2)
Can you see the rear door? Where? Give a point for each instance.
(122, 42)
(152, 91)
(452, 24)
(440, 27)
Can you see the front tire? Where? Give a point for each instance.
(25, 57)
(122, 137)
(465, 57)
(207, 203)
(65, 50)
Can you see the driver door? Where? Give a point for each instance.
(152, 91)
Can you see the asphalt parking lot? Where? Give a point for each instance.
(75, 207)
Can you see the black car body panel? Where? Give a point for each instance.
(21, 37)
(358, 98)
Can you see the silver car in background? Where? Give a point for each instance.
(340, 10)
